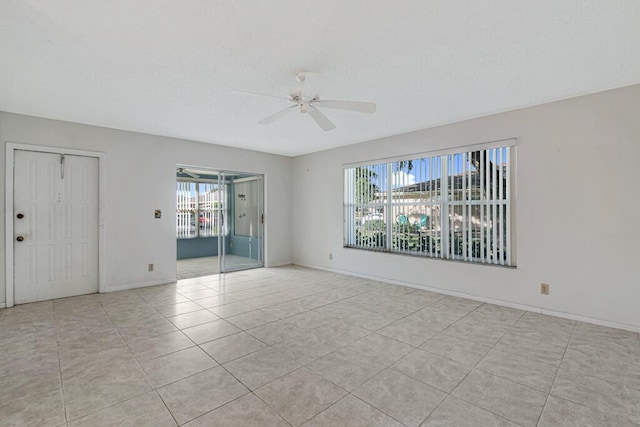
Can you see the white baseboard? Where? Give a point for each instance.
(279, 264)
(534, 309)
(2, 305)
(136, 285)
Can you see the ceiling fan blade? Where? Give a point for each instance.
(322, 120)
(262, 95)
(275, 116)
(186, 172)
(362, 107)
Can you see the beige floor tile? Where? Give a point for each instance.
(486, 334)
(93, 346)
(284, 310)
(100, 380)
(251, 319)
(352, 412)
(490, 313)
(381, 349)
(196, 395)
(150, 348)
(512, 401)
(194, 318)
(342, 333)
(232, 309)
(37, 410)
(403, 398)
(146, 410)
(215, 301)
(197, 295)
(306, 347)
(309, 320)
(605, 396)
(261, 367)
(540, 327)
(467, 352)
(338, 310)
(176, 366)
(370, 320)
(17, 385)
(437, 371)
(16, 338)
(541, 351)
(180, 308)
(438, 319)
(458, 413)
(210, 331)
(560, 412)
(533, 374)
(275, 332)
(300, 395)
(146, 328)
(246, 411)
(346, 368)
(232, 347)
(606, 362)
(42, 358)
(95, 341)
(410, 330)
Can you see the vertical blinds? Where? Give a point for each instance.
(200, 208)
(455, 206)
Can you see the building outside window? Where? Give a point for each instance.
(200, 208)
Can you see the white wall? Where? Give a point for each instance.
(140, 177)
(577, 207)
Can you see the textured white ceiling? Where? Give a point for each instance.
(169, 67)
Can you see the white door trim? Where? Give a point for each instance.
(9, 258)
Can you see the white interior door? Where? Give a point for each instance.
(55, 225)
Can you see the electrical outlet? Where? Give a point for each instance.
(330, 256)
(544, 289)
(150, 267)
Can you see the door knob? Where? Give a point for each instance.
(19, 238)
(20, 216)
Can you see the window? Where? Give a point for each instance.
(200, 209)
(454, 206)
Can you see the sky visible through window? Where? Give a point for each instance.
(405, 173)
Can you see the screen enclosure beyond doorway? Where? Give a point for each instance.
(219, 221)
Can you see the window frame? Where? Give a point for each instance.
(222, 209)
(501, 210)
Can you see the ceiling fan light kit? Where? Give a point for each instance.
(306, 100)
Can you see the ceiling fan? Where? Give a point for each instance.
(305, 99)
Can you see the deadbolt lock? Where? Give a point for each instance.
(19, 238)
(20, 216)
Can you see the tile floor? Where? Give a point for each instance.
(295, 346)
(203, 266)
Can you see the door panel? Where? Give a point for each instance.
(247, 230)
(59, 203)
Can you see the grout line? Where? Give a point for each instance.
(64, 403)
(557, 371)
(327, 287)
(471, 370)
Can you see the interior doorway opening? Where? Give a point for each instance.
(219, 221)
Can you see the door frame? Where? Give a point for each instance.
(261, 210)
(9, 181)
(264, 204)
